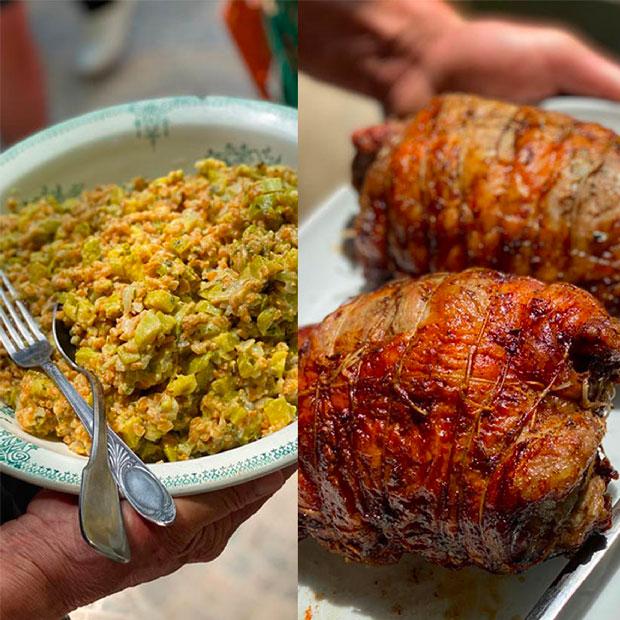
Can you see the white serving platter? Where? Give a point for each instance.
(329, 588)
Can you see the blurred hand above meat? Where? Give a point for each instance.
(403, 52)
(459, 417)
(474, 182)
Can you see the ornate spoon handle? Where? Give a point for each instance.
(143, 490)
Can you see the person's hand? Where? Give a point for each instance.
(403, 52)
(518, 62)
(53, 571)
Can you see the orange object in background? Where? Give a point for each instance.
(247, 28)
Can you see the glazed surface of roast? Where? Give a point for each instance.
(459, 417)
(475, 182)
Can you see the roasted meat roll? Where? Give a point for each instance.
(460, 417)
(473, 182)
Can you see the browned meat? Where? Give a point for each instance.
(473, 182)
(459, 417)
(368, 142)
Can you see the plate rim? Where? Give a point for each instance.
(16, 460)
(209, 102)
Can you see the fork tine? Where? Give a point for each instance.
(36, 330)
(6, 341)
(8, 326)
(24, 332)
(8, 285)
(31, 322)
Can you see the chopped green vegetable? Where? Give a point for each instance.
(148, 329)
(279, 412)
(160, 300)
(182, 385)
(91, 250)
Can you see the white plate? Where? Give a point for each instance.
(334, 590)
(113, 145)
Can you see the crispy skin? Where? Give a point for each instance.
(474, 182)
(447, 416)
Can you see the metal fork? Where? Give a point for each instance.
(28, 347)
(101, 519)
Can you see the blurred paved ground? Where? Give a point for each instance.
(254, 579)
(176, 47)
(179, 47)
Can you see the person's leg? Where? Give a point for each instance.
(93, 5)
(22, 96)
(105, 28)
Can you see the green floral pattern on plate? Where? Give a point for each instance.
(232, 154)
(151, 121)
(248, 465)
(59, 192)
(16, 453)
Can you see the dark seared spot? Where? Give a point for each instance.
(538, 308)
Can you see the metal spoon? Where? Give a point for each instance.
(101, 518)
(137, 483)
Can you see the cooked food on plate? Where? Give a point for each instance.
(181, 295)
(460, 417)
(474, 182)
